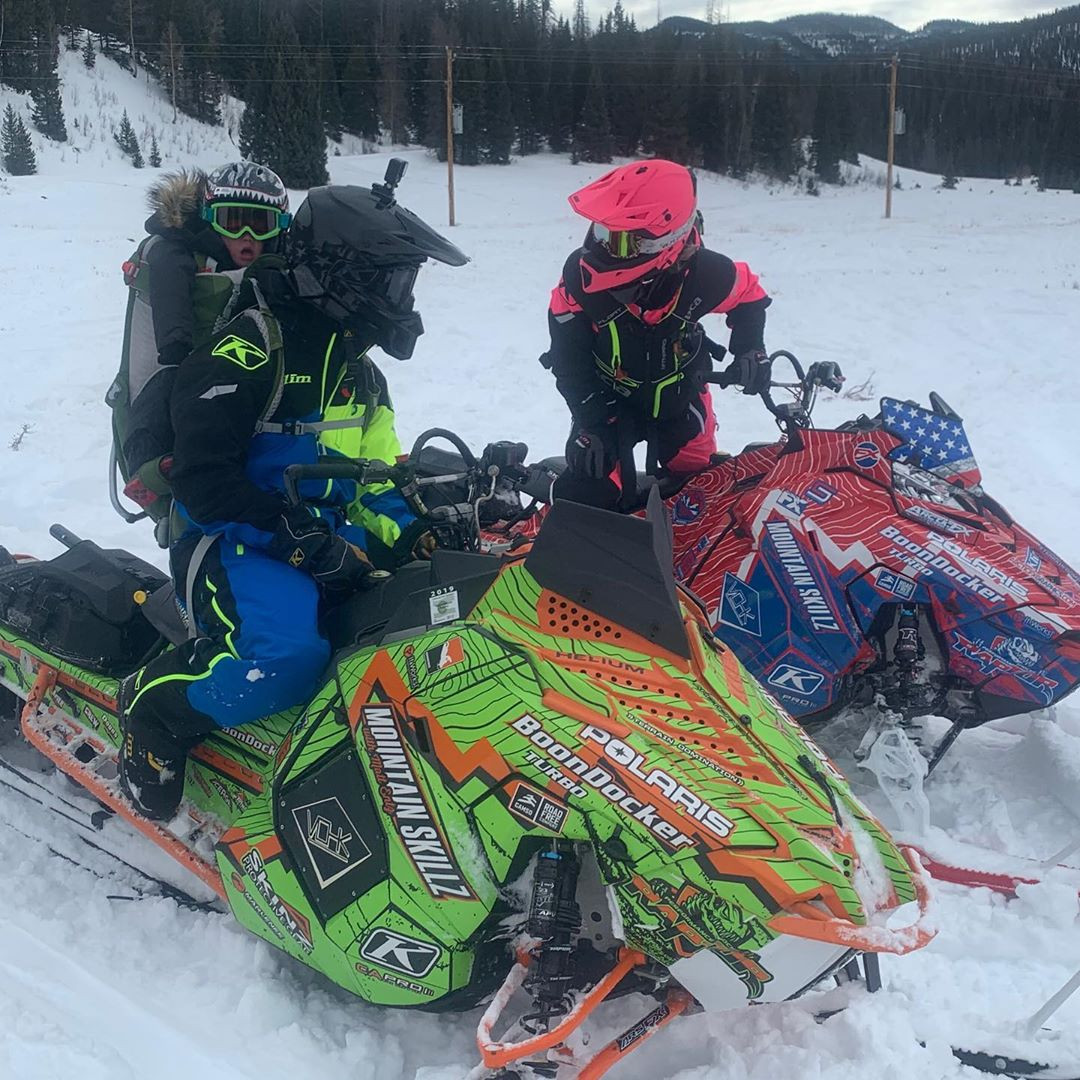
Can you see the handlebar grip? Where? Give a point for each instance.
(64, 535)
(360, 471)
(722, 379)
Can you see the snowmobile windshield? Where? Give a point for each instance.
(917, 483)
(235, 219)
(934, 441)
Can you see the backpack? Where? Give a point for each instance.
(139, 393)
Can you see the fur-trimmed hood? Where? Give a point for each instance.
(176, 196)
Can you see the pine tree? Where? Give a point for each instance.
(332, 116)
(560, 90)
(48, 114)
(393, 107)
(282, 125)
(193, 79)
(949, 182)
(128, 142)
(155, 153)
(469, 94)
(171, 65)
(526, 88)
(666, 131)
(89, 55)
(359, 100)
(593, 141)
(15, 145)
(827, 148)
(771, 138)
(499, 118)
(48, 110)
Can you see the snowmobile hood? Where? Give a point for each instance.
(715, 821)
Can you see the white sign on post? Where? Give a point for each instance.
(899, 122)
(459, 119)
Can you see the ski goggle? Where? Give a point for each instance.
(234, 219)
(630, 243)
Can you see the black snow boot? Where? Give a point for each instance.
(152, 759)
(151, 769)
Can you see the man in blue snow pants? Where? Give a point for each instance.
(285, 382)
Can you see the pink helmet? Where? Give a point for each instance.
(643, 217)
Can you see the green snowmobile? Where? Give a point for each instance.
(535, 780)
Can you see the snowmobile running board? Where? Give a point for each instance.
(36, 726)
(1001, 883)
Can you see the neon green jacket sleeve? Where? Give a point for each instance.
(378, 508)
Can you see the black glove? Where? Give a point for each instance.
(307, 542)
(826, 373)
(592, 451)
(752, 371)
(416, 541)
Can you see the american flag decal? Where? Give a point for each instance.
(936, 443)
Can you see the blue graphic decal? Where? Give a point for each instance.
(791, 503)
(795, 680)
(992, 662)
(688, 507)
(867, 455)
(740, 606)
(896, 584)
(819, 492)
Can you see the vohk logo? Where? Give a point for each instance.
(740, 606)
(332, 841)
(795, 680)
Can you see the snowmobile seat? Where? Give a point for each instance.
(82, 606)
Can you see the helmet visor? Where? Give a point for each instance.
(233, 219)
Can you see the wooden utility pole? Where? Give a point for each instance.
(894, 66)
(450, 129)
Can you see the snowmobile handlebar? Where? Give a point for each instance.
(795, 414)
(363, 472)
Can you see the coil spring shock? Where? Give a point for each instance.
(909, 649)
(555, 919)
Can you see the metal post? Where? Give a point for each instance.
(450, 129)
(892, 134)
(1052, 1005)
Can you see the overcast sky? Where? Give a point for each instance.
(909, 14)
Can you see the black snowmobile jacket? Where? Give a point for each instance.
(186, 245)
(608, 356)
(281, 384)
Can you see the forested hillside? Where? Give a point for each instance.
(797, 95)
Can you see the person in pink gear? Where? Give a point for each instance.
(628, 350)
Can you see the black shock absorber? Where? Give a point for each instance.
(555, 919)
(908, 650)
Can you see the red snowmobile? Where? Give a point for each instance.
(866, 565)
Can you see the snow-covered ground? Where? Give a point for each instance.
(974, 293)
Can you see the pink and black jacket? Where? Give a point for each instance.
(609, 356)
